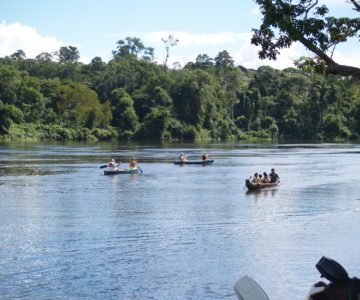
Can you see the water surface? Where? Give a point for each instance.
(174, 232)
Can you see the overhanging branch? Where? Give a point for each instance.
(332, 66)
(356, 5)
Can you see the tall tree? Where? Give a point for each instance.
(307, 22)
(171, 41)
(18, 55)
(134, 47)
(204, 61)
(68, 54)
(224, 60)
(44, 56)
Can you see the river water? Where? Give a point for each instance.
(174, 232)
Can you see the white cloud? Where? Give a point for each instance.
(17, 36)
(247, 56)
(351, 58)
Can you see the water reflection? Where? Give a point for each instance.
(263, 192)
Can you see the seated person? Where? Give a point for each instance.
(204, 156)
(132, 163)
(112, 164)
(256, 179)
(182, 157)
(266, 178)
(274, 177)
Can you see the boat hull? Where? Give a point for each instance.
(194, 162)
(121, 171)
(259, 186)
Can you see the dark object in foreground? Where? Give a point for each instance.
(259, 186)
(341, 286)
(194, 162)
(121, 171)
(332, 270)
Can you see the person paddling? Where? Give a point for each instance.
(112, 164)
(133, 163)
(204, 156)
(182, 157)
(274, 177)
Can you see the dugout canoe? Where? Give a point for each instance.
(259, 186)
(121, 171)
(194, 162)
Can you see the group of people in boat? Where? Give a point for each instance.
(133, 162)
(113, 164)
(183, 158)
(273, 177)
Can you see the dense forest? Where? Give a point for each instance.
(131, 97)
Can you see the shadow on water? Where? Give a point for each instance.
(30, 171)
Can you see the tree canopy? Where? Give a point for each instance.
(308, 22)
(131, 97)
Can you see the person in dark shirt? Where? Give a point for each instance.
(274, 177)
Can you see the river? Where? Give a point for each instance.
(173, 232)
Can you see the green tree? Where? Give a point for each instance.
(307, 22)
(8, 84)
(75, 102)
(267, 81)
(203, 61)
(334, 127)
(224, 60)
(9, 114)
(68, 54)
(44, 56)
(133, 47)
(18, 55)
(124, 114)
(156, 125)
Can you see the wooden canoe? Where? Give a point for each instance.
(194, 162)
(121, 171)
(259, 186)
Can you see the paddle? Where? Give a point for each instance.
(140, 170)
(105, 166)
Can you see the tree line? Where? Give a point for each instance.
(131, 97)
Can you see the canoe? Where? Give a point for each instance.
(121, 171)
(194, 162)
(259, 186)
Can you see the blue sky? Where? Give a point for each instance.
(94, 27)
